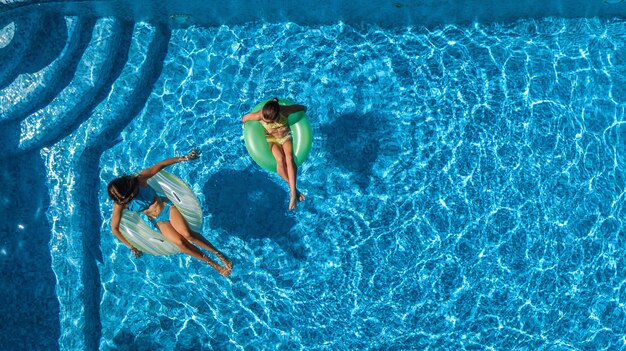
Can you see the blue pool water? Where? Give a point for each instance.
(465, 189)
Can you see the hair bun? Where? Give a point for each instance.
(275, 99)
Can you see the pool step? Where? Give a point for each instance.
(101, 64)
(131, 90)
(73, 177)
(26, 29)
(31, 91)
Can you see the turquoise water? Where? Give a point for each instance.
(465, 189)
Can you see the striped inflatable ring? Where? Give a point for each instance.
(144, 237)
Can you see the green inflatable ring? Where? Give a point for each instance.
(259, 149)
(150, 241)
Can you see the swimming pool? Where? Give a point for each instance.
(465, 188)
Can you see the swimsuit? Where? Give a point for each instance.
(282, 123)
(144, 199)
(164, 216)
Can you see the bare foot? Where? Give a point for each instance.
(224, 271)
(300, 196)
(227, 263)
(292, 202)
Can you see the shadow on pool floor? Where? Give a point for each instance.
(249, 205)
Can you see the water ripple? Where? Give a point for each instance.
(465, 190)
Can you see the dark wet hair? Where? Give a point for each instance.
(271, 110)
(121, 189)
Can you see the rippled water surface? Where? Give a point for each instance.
(465, 191)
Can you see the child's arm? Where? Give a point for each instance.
(292, 108)
(156, 168)
(252, 116)
(116, 217)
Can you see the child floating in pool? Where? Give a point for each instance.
(273, 117)
(133, 193)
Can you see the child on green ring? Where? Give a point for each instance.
(274, 119)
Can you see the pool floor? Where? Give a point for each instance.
(465, 189)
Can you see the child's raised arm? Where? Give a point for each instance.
(292, 109)
(156, 168)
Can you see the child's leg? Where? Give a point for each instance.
(188, 248)
(180, 225)
(291, 173)
(281, 168)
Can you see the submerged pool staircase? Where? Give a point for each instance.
(68, 87)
